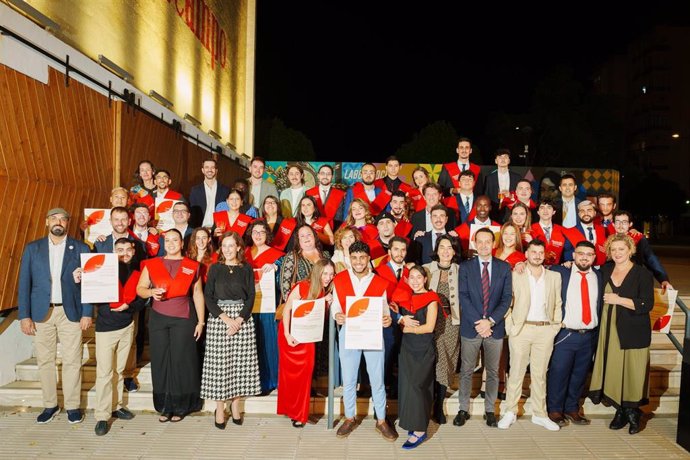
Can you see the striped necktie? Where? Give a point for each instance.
(485, 287)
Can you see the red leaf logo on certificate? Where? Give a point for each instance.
(661, 322)
(304, 309)
(95, 217)
(358, 307)
(94, 263)
(165, 206)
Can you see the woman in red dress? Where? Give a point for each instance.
(231, 220)
(201, 250)
(509, 246)
(309, 214)
(265, 260)
(297, 359)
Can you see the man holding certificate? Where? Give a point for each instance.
(360, 307)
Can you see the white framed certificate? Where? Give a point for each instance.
(496, 229)
(265, 287)
(97, 223)
(164, 213)
(99, 278)
(306, 320)
(364, 323)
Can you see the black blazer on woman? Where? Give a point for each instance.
(634, 326)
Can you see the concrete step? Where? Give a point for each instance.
(28, 394)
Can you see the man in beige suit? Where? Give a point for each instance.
(531, 325)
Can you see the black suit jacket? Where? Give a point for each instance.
(633, 326)
(491, 185)
(197, 202)
(418, 221)
(425, 248)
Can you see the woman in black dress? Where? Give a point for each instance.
(231, 363)
(417, 358)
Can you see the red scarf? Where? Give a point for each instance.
(222, 219)
(330, 208)
(177, 286)
(268, 256)
(343, 286)
(406, 298)
(128, 292)
(380, 201)
(282, 236)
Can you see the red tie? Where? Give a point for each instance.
(584, 293)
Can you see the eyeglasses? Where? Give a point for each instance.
(621, 222)
(258, 232)
(179, 211)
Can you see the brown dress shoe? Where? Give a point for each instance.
(346, 428)
(577, 419)
(388, 433)
(557, 417)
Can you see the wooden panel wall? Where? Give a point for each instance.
(56, 149)
(145, 138)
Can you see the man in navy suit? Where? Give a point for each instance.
(581, 293)
(204, 197)
(50, 308)
(485, 287)
(465, 197)
(427, 242)
(566, 205)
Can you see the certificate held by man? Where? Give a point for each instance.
(99, 278)
(307, 319)
(364, 323)
(164, 213)
(97, 223)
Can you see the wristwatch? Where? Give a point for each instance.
(491, 321)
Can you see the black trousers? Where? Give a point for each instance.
(174, 364)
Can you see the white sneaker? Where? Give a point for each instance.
(545, 422)
(507, 420)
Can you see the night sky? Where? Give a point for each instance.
(360, 78)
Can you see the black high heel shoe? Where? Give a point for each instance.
(236, 421)
(220, 426)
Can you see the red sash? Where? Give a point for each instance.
(379, 203)
(177, 286)
(319, 225)
(511, 200)
(405, 297)
(637, 237)
(403, 228)
(575, 236)
(418, 201)
(385, 271)
(343, 285)
(515, 258)
(454, 172)
(128, 292)
(282, 236)
(222, 219)
(152, 242)
(380, 183)
(330, 208)
(269, 256)
(148, 201)
(554, 248)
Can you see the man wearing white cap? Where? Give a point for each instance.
(50, 308)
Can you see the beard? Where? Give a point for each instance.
(57, 230)
(367, 182)
(583, 268)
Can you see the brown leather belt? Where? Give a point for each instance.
(538, 323)
(56, 305)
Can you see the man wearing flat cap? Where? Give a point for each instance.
(50, 309)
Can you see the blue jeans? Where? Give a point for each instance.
(349, 362)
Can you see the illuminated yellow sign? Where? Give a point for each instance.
(199, 54)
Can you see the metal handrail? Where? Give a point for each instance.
(674, 340)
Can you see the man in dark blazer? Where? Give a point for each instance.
(575, 344)
(204, 197)
(485, 287)
(501, 181)
(566, 205)
(421, 220)
(50, 309)
(427, 242)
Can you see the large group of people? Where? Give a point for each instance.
(469, 270)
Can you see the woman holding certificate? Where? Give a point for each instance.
(174, 326)
(443, 279)
(417, 356)
(231, 220)
(266, 261)
(297, 359)
(231, 365)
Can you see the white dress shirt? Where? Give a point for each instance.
(464, 199)
(569, 214)
(503, 180)
(573, 301)
(371, 193)
(594, 233)
(56, 254)
(210, 203)
(537, 290)
(323, 192)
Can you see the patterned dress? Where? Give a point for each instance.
(446, 335)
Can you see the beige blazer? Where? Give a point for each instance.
(434, 275)
(517, 314)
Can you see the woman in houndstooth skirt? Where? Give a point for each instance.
(231, 365)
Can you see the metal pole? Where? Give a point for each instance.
(331, 370)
